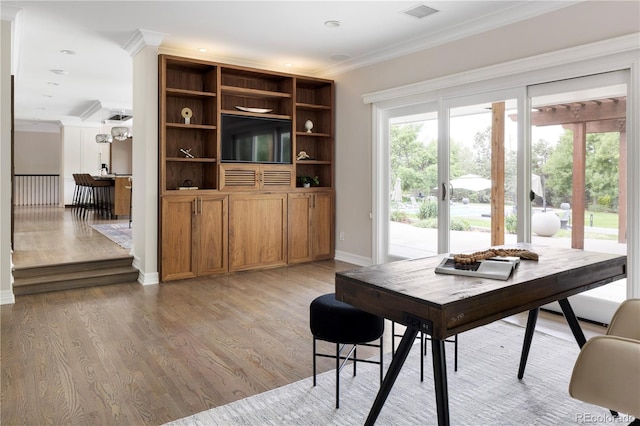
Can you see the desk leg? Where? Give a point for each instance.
(567, 310)
(528, 337)
(440, 381)
(394, 369)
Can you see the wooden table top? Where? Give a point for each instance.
(455, 303)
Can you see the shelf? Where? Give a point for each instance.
(312, 106)
(313, 135)
(311, 162)
(253, 93)
(254, 114)
(191, 126)
(186, 92)
(192, 160)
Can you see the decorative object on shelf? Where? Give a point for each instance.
(120, 133)
(186, 185)
(302, 155)
(187, 152)
(103, 138)
(186, 113)
(308, 125)
(308, 180)
(257, 110)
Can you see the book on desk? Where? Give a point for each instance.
(498, 268)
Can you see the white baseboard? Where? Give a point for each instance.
(352, 258)
(148, 279)
(7, 297)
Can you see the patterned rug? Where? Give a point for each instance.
(484, 390)
(119, 233)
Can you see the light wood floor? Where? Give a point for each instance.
(47, 235)
(130, 354)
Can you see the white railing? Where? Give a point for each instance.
(36, 190)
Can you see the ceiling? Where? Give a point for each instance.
(94, 81)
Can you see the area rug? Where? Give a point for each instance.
(484, 391)
(119, 233)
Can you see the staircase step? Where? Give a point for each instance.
(70, 267)
(73, 275)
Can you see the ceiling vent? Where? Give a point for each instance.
(420, 11)
(119, 116)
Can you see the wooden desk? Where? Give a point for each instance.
(411, 293)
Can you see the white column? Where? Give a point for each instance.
(143, 48)
(6, 277)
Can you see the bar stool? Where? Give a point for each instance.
(337, 322)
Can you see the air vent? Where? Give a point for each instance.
(420, 11)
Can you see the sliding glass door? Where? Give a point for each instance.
(482, 171)
(411, 149)
(579, 152)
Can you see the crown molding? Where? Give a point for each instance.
(479, 25)
(619, 45)
(14, 14)
(93, 107)
(142, 38)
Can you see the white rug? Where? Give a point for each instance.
(484, 391)
(119, 233)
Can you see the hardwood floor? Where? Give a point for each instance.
(47, 235)
(130, 354)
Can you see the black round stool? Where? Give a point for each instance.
(337, 322)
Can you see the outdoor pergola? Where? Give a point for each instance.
(591, 116)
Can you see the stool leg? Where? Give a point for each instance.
(314, 361)
(381, 355)
(455, 358)
(355, 357)
(337, 375)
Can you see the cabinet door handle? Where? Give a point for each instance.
(194, 203)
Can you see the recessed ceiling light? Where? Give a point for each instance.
(67, 52)
(202, 49)
(60, 72)
(332, 24)
(52, 83)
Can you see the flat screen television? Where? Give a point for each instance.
(255, 139)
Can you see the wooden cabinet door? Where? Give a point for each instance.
(322, 228)
(257, 231)
(177, 238)
(212, 214)
(299, 232)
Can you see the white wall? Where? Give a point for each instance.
(80, 154)
(583, 23)
(37, 153)
(6, 279)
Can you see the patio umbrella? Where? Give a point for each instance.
(471, 182)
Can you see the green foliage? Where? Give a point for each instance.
(415, 162)
(458, 224)
(428, 209)
(511, 223)
(601, 169)
(399, 216)
(427, 223)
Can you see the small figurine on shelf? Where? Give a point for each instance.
(187, 152)
(308, 180)
(187, 113)
(302, 155)
(308, 125)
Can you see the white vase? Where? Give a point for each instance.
(308, 125)
(306, 185)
